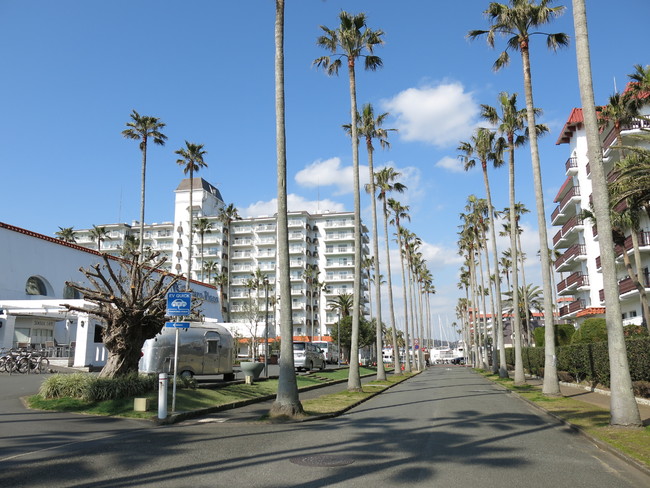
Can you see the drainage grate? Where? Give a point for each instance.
(321, 460)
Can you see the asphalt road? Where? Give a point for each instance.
(445, 427)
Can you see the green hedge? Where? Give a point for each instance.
(93, 389)
(588, 361)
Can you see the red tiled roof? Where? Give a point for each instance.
(575, 119)
(591, 311)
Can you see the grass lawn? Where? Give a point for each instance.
(590, 418)
(195, 399)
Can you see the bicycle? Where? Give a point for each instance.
(34, 362)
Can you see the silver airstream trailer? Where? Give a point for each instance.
(203, 349)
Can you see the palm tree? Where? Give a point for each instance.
(141, 128)
(221, 280)
(131, 245)
(287, 402)
(639, 86)
(99, 234)
(518, 20)
(353, 38)
(400, 212)
(367, 265)
(534, 301)
(191, 160)
(510, 121)
(226, 215)
(342, 304)
(201, 227)
(485, 147)
(386, 182)
(624, 410)
(370, 128)
(66, 234)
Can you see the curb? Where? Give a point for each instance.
(182, 416)
(600, 444)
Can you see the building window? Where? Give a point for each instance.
(35, 286)
(71, 293)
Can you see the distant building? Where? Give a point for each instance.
(321, 248)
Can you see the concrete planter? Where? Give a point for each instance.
(252, 369)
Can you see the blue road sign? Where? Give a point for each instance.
(177, 325)
(179, 303)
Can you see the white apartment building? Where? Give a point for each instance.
(577, 239)
(321, 248)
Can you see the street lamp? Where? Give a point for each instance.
(266, 325)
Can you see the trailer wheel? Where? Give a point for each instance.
(229, 376)
(186, 374)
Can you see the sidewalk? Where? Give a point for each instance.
(599, 399)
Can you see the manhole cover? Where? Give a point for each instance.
(321, 460)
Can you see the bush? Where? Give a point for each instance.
(563, 334)
(93, 389)
(591, 330)
(641, 389)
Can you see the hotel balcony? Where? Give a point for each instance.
(577, 252)
(572, 308)
(566, 209)
(571, 166)
(572, 283)
(627, 288)
(568, 234)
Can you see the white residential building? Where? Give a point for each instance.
(577, 238)
(321, 246)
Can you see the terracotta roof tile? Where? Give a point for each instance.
(591, 311)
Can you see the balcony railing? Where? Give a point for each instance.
(572, 163)
(572, 252)
(576, 280)
(572, 307)
(567, 227)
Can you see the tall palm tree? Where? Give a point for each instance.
(201, 227)
(142, 128)
(350, 41)
(386, 182)
(191, 160)
(221, 280)
(287, 402)
(99, 234)
(485, 147)
(367, 266)
(640, 86)
(226, 216)
(624, 410)
(370, 127)
(400, 212)
(343, 303)
(518, 20)
(66, 234)
(510, 122)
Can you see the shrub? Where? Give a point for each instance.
(563, 334)
(641, 389)
(592, 330)
(93, 389)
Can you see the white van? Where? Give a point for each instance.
(204, 348)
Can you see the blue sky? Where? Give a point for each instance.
(74, 69)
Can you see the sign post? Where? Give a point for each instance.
(179, 304)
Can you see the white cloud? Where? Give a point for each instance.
(330, 172)
(294, 203)
(439, 115)
(451, 164)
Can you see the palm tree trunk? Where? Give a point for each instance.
(287, 401)
(624, 410)
(524, 287)
(389, 281)
(381, 372)
(483, 338)
(407, 362)
(497, 323)
(551, 384)
(142, 199)
(516, 322)
(354, 380)
(189, 265)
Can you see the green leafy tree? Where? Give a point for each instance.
(99, 234)
(66, 234)
(351, 40)
(142, 128)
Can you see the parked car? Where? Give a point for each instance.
(307, 356)
(460, 360)
(330, 350)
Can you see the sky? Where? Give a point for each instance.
(73, 70)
